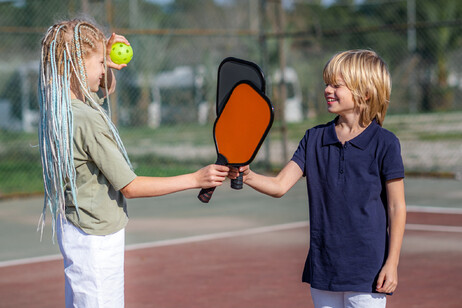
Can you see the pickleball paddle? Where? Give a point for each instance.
(244, 121)
(232, 71)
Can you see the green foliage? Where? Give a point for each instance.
(20, 173)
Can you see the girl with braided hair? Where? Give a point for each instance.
(86, 170)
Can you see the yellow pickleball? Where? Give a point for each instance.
(121, 53)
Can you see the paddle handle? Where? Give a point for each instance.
(206, 193)
(237, 183)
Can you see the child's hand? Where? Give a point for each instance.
(234, 172)
(115, 38)
(388, 279)
(211, 176)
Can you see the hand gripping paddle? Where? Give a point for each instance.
(240, 129)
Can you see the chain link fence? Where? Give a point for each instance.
(164, 103)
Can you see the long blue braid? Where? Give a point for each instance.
(56, 118)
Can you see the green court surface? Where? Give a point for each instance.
(182, 215)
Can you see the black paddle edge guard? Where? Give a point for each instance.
(246, 64)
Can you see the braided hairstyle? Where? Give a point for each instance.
(62, 68)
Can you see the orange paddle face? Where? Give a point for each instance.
(243, 124)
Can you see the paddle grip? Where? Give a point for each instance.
(237, 183)
(206, 193)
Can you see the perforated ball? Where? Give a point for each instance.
(121, 53)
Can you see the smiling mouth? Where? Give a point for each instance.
(331, 100)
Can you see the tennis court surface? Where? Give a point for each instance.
(241, 250)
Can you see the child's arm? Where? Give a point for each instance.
(273, 186)
(141, 186)
(111, 83)
(111, 80)
(388, 277)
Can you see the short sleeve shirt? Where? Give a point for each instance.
(348, 205)
(101, 171)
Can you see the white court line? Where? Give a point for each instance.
(178, 241)
(222, 235)
(433, 209)
(30, 260)
(433, 228)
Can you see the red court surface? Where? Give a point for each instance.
(255, 268)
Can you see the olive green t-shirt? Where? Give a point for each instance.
(101, 171)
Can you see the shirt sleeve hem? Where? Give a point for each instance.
(299, 163)
(394, 176)
(121, 185)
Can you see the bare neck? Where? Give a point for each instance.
(348, 128)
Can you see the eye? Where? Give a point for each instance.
(333, 85)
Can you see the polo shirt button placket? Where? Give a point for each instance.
(345, 147)
(342, 159)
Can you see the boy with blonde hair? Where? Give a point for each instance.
(354, 174)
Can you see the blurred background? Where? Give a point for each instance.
(165, 98)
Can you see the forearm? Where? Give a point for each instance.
(142, 186)
(266, 185)
(397, 222)
(111, 83)
(275, 186)
(396, 219)
(209, 176)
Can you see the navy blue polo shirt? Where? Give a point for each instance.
(347, 204)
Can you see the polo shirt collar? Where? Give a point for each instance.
(361, 141)
(330, 136)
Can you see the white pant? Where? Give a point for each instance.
(329, 299)
(93, 267)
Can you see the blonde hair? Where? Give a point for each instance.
(62, 68)
(366, 75)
